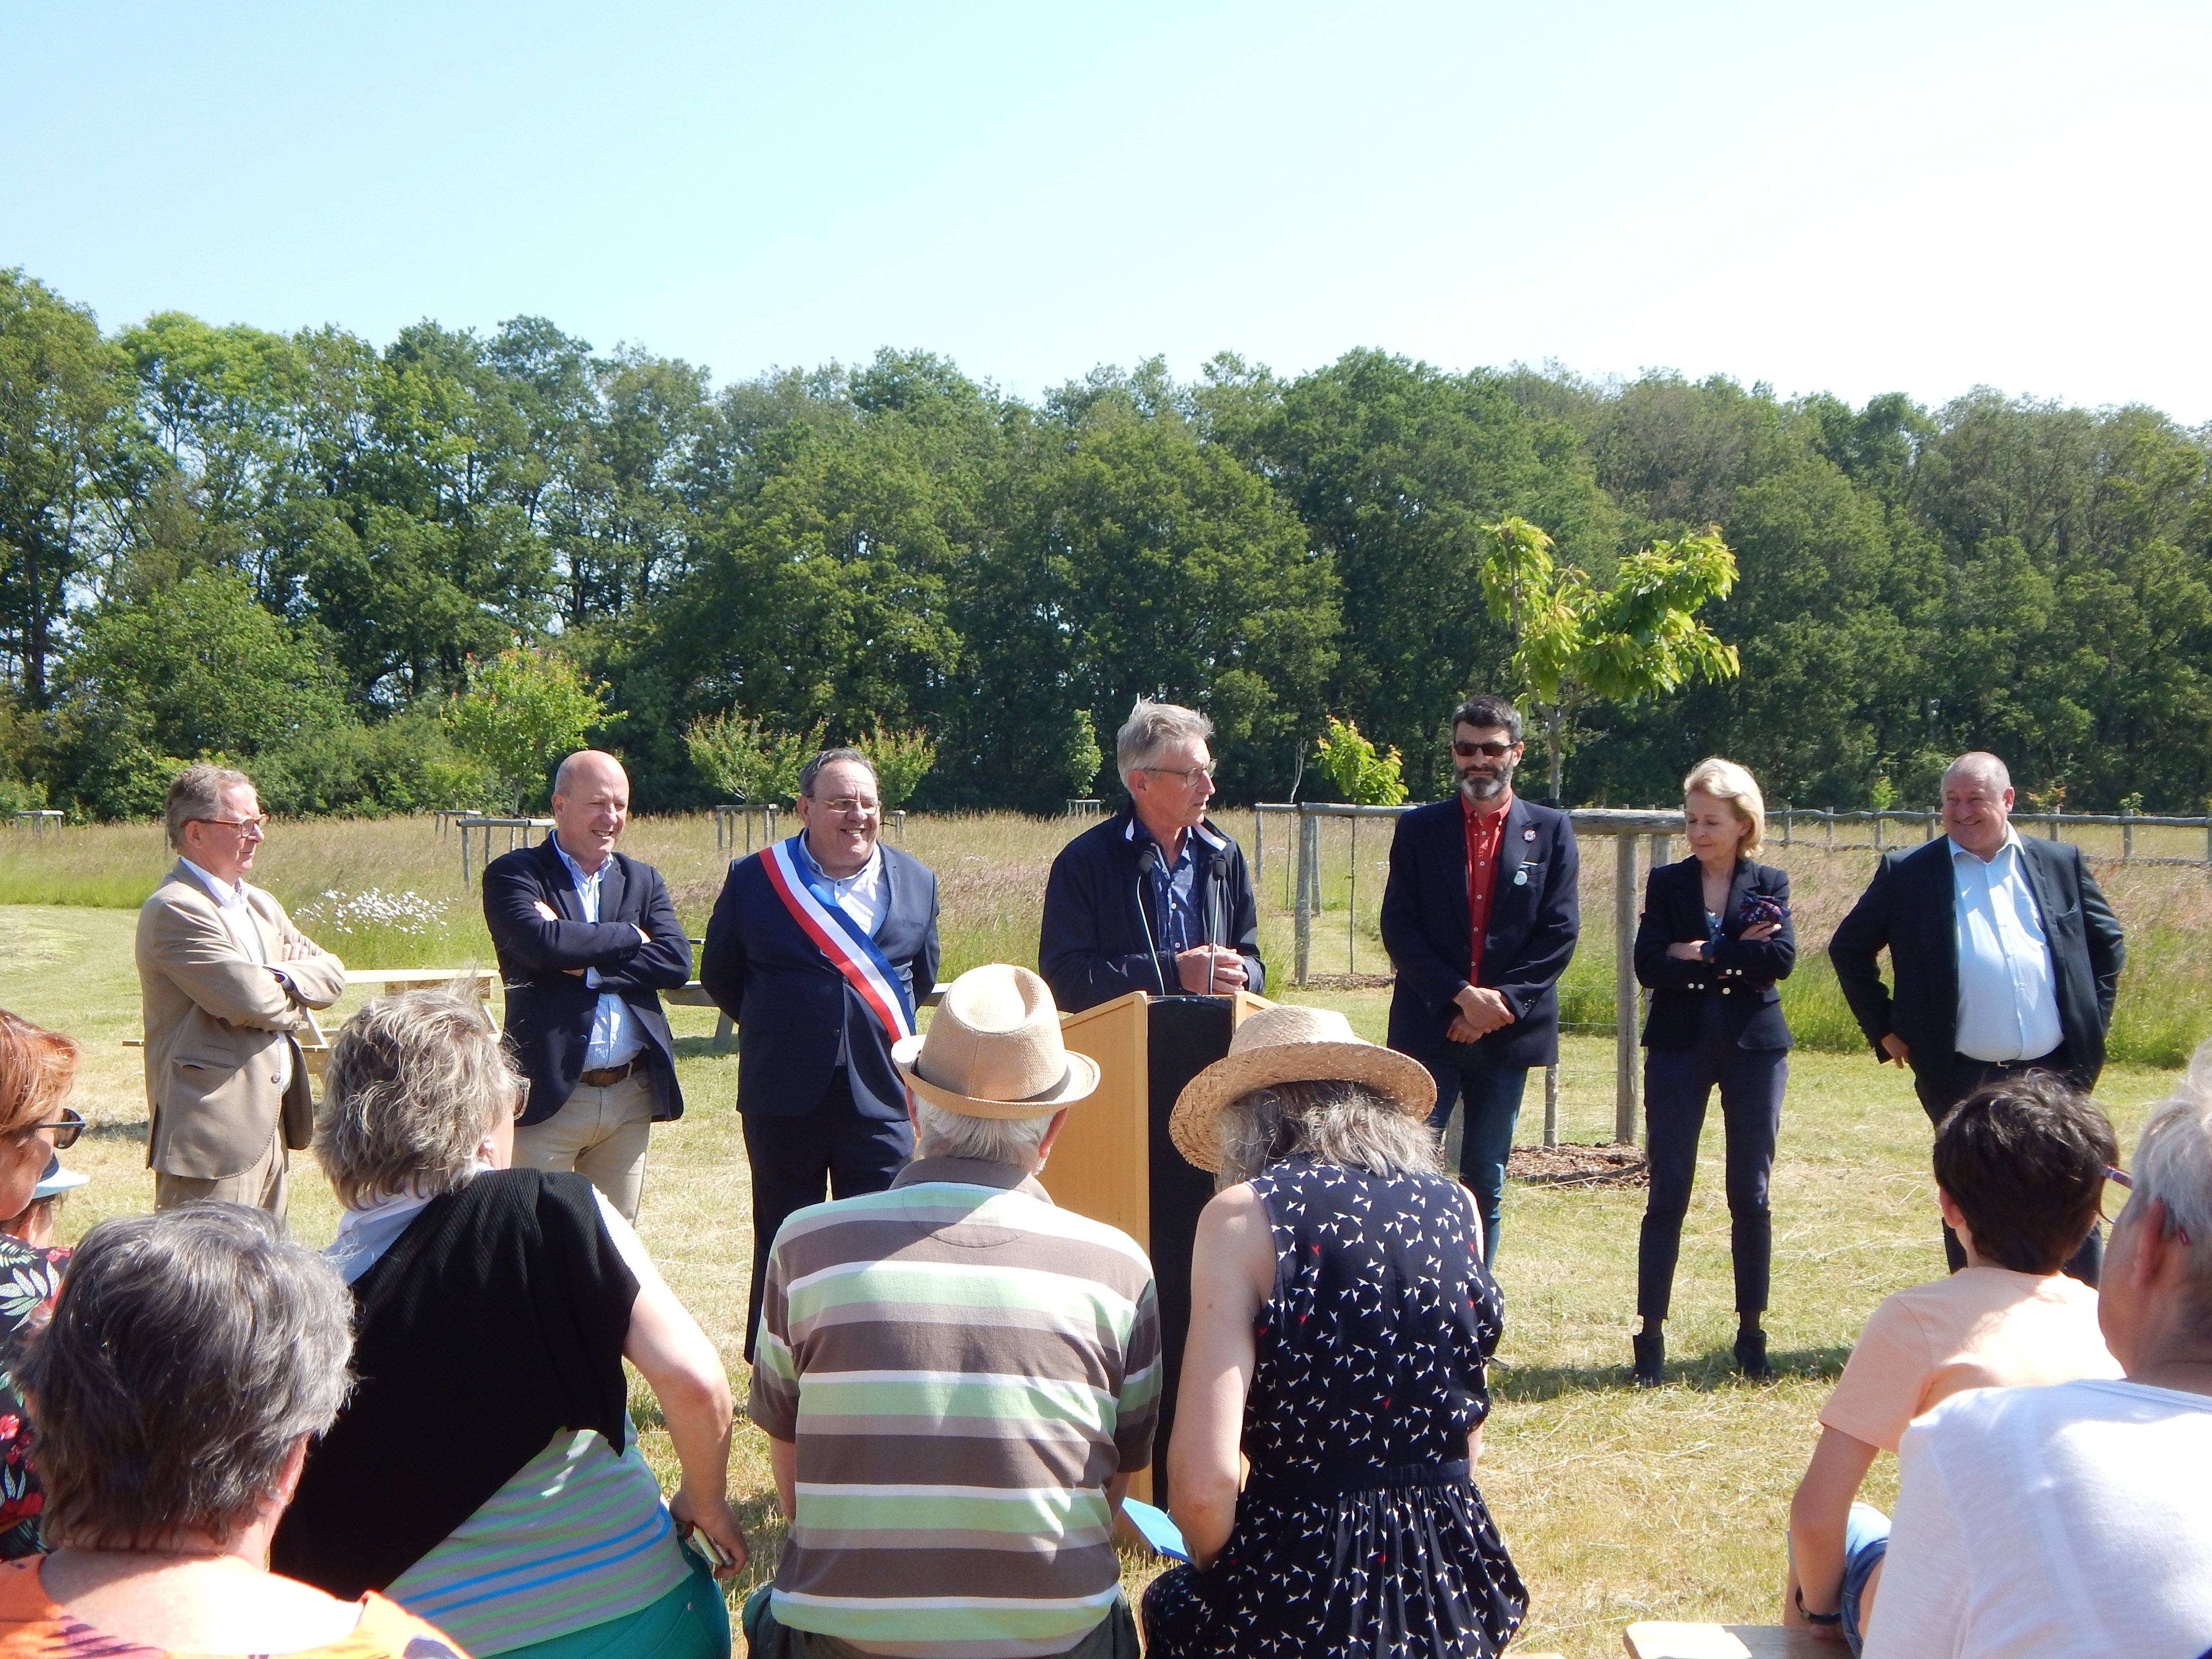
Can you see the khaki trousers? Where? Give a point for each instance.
(264, 1186)
(599, 1133)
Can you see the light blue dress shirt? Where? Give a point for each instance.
(615, 1037)
(2008, 988)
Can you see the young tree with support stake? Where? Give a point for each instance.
(1575, 644)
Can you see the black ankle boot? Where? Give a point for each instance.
(1751, 1353)
(1651, 1356)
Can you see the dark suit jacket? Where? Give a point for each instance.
(548, 1010)
(1528, 945)
(791, 1004)
(1911, 908)
(1742, 973)
(1092, 945)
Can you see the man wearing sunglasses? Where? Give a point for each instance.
(227, 983)
(1479, 919)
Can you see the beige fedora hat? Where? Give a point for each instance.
(994, 1050)
(1289, 1043)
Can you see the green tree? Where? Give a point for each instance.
(747, 759)
(522, 711)
(1362, 775)
(902, 760)
(64, 392)
(1574, 643)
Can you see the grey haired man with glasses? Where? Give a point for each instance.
(227, 983)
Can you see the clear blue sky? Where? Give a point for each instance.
(1922, 196)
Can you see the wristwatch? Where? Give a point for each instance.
(1812, 1618)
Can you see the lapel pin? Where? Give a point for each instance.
(1527, 834)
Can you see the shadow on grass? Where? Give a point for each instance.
(131, 1129)
(1707, 1373)
(702, 1048)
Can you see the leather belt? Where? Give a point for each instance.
(607, 1076)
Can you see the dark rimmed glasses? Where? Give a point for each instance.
(1489, 751)
(2121, 1179)
(66, 1128)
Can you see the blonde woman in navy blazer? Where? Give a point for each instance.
(1716, 1020)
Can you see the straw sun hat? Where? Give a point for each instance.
(1288, 1043)
(994, 1050)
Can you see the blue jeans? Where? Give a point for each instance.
(1492, 1094)
(1866, 1540)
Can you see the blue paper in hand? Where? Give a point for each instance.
(1157, 1528)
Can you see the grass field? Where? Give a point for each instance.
(1617, 1503)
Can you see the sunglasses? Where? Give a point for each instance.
(66, 1129)
(1493, 750)
(2119, 1178)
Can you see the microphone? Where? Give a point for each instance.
(1148, 861)
(1214, 928)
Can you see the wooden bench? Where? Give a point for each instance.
(1659, 1638)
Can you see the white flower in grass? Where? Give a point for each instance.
(407, 914)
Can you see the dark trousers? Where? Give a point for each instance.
(1938, 1094)
(793, 1159)
(1676, 1086)
(1493, 1097)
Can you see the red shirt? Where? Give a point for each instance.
(1484, 831)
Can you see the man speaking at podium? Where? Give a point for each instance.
(1155, 899)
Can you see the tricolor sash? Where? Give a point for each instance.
(839, 937)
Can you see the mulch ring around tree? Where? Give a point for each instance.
(1607, 1164)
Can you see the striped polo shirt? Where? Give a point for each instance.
(963, 1367)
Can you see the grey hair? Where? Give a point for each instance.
(414, 1084)
(1330, 1120)
(1483, 711)
(195, 796)
(813, 768)
(189, 1352)
(1014, 1140)
(1153, 727)
(1980, 763)
(2173, 1163)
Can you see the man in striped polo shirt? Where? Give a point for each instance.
(957, 1377)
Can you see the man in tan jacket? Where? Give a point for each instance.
(226, 980)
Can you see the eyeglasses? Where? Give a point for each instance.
(66, 1130)
(521, 1097)
(255, 825)
(1493, 750)
(2119, 1178)
(1190, 775)
(845, 805)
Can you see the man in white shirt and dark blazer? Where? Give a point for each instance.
(2004, 956)
(225, 982)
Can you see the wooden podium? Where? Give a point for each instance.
(1115, 1163)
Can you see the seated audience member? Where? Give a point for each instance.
(37, 1067)
(1342, 1319)
(2076, 1521)
(484, 1475)
(192, 1356)
(2019, 1167)
(957, 1378)
(37, 1223)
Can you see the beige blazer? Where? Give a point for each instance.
(217, 1027)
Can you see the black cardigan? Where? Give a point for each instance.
(496, 1320)
(1742, 973)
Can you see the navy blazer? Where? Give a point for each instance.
(1093, 944)
(1534, 921)
(1742, 973)
(548, 1010)
(1911, 907)
(791, 1004)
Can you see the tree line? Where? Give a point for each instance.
(288, 549)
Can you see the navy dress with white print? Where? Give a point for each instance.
(1360, 1531)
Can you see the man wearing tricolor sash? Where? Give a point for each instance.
(818, 948)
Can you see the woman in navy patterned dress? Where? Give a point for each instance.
(1341, 1318)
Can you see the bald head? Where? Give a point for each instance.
(591, 805)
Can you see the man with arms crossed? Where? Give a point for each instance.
(1156, 899)
(1479, 919)
(2005, 958)
(2073, 1521)
(226, 982)
(587, 941)
(957, 1377)
(820, 949)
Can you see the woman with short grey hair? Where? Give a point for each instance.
(531, 1526)
(1340, 1342)
(192, 1356)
